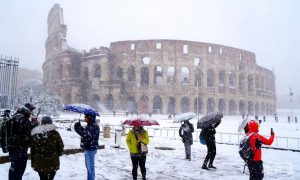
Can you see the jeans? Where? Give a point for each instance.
(18, 164)
(90, 163)
(136, 161)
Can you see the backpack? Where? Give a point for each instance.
(245, 150)
(202, 138)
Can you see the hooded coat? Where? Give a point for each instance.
(46, 148)
(256, 140)
(132, 142)
(185, 132)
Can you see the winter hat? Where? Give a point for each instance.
(29, 106)
(46, 120)
(91, 116)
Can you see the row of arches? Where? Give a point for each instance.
(222, 78)
(186, 104)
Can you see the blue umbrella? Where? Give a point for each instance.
(81, 108)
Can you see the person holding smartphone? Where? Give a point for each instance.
(255, 165)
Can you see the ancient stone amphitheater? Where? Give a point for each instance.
(157, 76)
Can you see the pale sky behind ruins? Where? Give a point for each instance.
(269, 28)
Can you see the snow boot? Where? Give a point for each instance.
(204, 166)
(211, 166)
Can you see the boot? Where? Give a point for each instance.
(204, 166)
(188, 158)
(211, 166)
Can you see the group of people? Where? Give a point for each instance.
(23, 130)
(255, 164)
(47, 145)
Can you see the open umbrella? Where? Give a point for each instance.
(140, 121)
(209, 119)
(242, 125)
(185, 117)
(81, 108)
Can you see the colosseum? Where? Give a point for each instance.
(157, 76)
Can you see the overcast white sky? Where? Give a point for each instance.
(269, 28)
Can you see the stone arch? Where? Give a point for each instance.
(232, 107)
(210, 105)
(185, 75)
(242, 107)
(158, 75)
(222, 78)
(200, 106)
(221, 106)
(157, 105)
(60, 71)
(257, 82)
(242, 82)
(185, 104)
(263, 108)
(119, 73)
(250, 108)
(131, 73)
(110, 102)
(171, 75)
(257, 108)
(210, 78)
(250, 84)
(171, 105)
(144, 76)
(143, 104)
(131, 104)
(95, 101)
(198, 77)
(97, 71)
(232, 79)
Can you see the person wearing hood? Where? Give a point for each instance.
(134, 138)
(46, 147)
(89, 142)
(209, 135)
(18, 140)
(185, 132)
(255, 165)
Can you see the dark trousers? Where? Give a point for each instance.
(47, 176)
(138, 161)
(211, 153)
(256, 170)
(18, 164)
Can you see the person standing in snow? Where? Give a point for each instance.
(209, 136)
(185, 132)
(134, 138)
(46, 147)
(18, 140)
(255, 165)
(89, 142)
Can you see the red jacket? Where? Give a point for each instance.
(253, 127)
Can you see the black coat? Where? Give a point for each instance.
(89, 135)
(46, 148)
(18, 131)
(185, 132)
(209, 133)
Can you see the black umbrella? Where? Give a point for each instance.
(209, 119)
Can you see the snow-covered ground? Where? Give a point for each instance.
(114, 163)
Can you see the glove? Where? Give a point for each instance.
(272, 132)
(77, 125)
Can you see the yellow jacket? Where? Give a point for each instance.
(132, 141)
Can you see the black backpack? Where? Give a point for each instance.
(245, 150)
(6, 122)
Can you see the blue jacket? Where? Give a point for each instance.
(89, 135)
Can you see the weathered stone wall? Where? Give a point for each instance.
(158, 76)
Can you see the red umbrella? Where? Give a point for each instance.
(140, 121)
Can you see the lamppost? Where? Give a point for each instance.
(291, 101)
